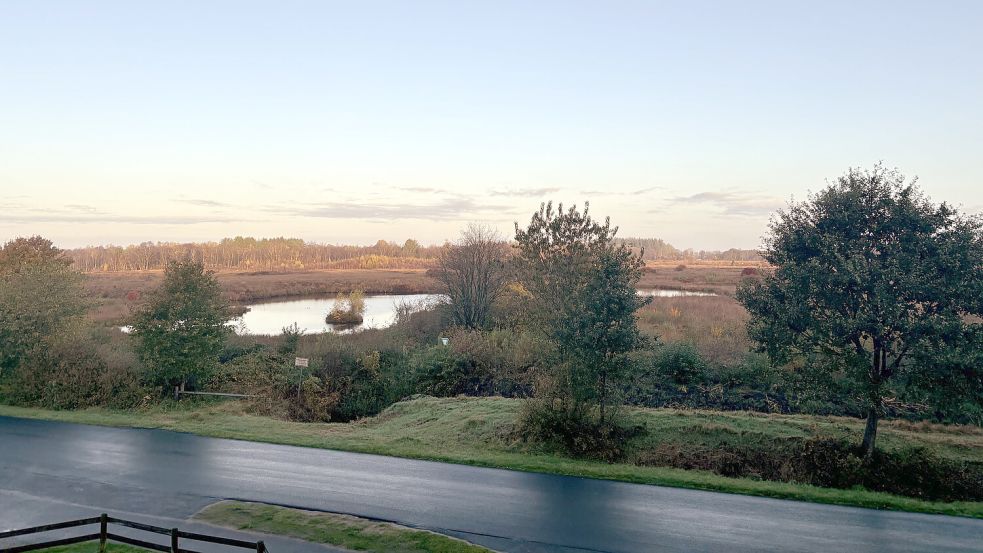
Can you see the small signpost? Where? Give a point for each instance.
(301, 364)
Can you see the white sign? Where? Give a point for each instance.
(300, 361)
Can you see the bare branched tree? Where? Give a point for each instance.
(473, 272)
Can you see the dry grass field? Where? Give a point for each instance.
(719, 277)
(715, 325)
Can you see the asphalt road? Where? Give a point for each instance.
(167, 474)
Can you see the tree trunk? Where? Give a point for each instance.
(870, 432)
(873, 400)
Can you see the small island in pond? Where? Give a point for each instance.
(348, 309)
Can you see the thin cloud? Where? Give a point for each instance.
(452, 209)
(89, 218)
(82, 208)
(635, 192)
(732, 202)
(524, 192)
(423, 190)
(202, 203)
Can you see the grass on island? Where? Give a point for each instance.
(478, 431)
(345, 531)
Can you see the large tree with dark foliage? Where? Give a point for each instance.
(181, 326)
(582, 285)
(871, 274)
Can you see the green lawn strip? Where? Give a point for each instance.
(477, 431)
(93, 547)
(345, 531)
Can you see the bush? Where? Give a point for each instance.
(575, 430)
(681, 363)
(439, 372)
(830, 462)
(75, 371)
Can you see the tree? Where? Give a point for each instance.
(41, 297)
(583, 288)
(473, 274)
(26, 252)
(871, 275)
(181, 326)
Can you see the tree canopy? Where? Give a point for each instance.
(40, 297)
(582, 284)
(181, 326)
(870, 273)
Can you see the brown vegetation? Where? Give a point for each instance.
(110, 290)
(713, 324)
(716, 277)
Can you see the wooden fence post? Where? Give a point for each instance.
(174, 547)
(103, 530)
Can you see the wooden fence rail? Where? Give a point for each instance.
(104, 536)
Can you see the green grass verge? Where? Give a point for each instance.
(344, 531)
(478, 431)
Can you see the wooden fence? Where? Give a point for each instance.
(104, 536)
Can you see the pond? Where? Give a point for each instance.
(269, 318)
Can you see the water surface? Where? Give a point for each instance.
(269, 318)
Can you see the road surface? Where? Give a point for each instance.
(168, 474)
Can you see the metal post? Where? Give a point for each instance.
(260, 547)
(174, 548)
(103, 530)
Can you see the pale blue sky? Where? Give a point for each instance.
(353, 121)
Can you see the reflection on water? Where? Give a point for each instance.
(270, 318)
(380, 311)
(672, 293)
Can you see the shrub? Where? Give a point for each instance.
(681, 363)
(575, 429)
(440, 372)
(830, 462)
(75, 371)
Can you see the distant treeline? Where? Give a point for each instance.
(266, 254)
(654, 249)
(285, 254)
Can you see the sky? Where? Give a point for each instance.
(350, 122)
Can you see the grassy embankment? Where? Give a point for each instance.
(478, 431)
(357, 534)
